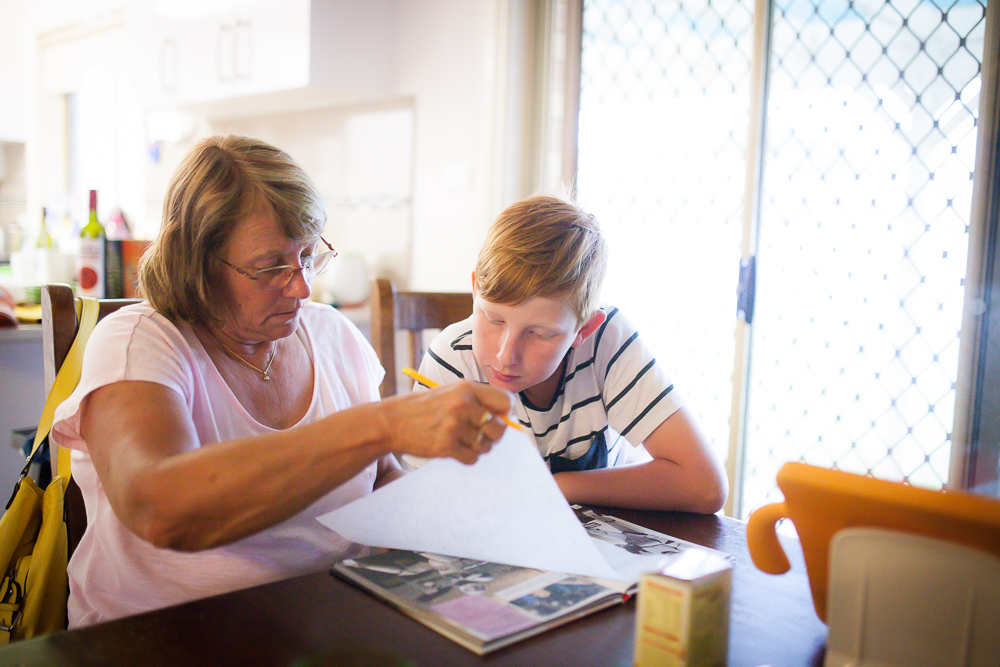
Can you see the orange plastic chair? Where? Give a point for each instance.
(821, 501)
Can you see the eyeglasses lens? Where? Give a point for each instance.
(321, 263)
(279, 277)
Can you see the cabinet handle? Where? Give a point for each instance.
(243, 50)
(168, 66)
(224, 53)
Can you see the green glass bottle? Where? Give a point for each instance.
(44, 238)
(90, 260)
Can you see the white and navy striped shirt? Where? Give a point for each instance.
(612, 386)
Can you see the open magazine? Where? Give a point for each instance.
(485, 606)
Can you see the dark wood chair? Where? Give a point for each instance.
(59, 324)
(413, 313)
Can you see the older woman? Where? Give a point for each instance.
(215, 421)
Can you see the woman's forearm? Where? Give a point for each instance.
(177, 494)
(209, 496)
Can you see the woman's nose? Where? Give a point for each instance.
(299, 286)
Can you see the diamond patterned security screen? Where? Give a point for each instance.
(865, 203)
(865, 199)
(663, 122)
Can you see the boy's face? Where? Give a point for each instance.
(523, 345)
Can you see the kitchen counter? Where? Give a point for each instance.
(22, 392)
(25, 332)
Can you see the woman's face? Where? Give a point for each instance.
(253, 311)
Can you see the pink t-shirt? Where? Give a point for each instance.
(115, 573)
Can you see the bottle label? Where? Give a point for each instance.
(90, 268)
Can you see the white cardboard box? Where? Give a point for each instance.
(682, 612)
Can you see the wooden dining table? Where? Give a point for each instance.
(317, 620)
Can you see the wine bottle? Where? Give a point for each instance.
(44, 238)
(90, 261)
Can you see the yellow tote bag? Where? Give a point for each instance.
(33, 546)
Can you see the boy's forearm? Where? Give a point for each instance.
(655, 485)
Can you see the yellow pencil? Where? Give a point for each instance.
(430, 384)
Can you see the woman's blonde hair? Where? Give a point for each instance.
(544, 246)
(220, 182)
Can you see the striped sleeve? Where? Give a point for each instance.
(449, 356)
(637, 392)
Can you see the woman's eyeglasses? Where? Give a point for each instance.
(277, 277)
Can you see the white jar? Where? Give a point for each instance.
(348, 280)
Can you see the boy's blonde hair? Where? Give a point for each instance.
(544, 246)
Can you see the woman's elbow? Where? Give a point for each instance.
(169, 535)
(152, 519)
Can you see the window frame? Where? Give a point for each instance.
(975, 455)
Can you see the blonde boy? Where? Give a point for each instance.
(587, 387)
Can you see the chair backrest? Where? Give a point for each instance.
(59, 324)
(413, 313)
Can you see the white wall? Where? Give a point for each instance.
(14, 39)
(468, 65)
(89, 60)
(451, 77)
(451, 72)
(361, 158)
(449, 61)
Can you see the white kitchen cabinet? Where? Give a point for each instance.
(263, 55)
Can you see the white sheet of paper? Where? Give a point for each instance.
(506, 508)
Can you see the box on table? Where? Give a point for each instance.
(682, 612)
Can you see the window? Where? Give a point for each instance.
(854, 194)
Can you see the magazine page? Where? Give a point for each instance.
(505, 508)
(487, 601)
(629, 548)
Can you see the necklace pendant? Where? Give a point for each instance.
(265, 376)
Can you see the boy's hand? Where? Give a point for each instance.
(461, 420)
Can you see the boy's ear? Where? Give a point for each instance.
(596, 320)
(473, 281)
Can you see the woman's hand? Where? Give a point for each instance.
(461, 420)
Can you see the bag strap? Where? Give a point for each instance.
(67, 378)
